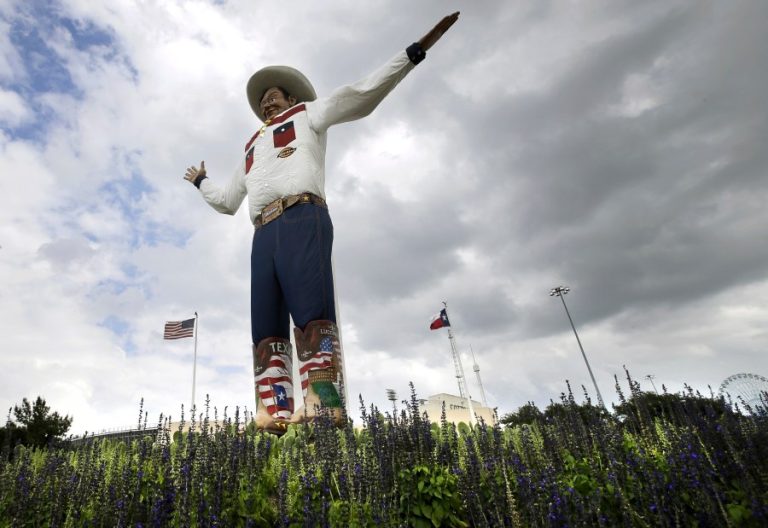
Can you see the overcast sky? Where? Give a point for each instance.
(618, 148)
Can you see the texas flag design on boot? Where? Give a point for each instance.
(274, 385)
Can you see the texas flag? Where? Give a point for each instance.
(284, 134)
(277, 398)
(440, 320)
(281, 397)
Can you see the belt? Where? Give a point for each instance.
(276, 208)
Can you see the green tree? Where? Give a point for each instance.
(679, 409)
(586, 412)
(10, 436)
(527, 414)
(37, 425)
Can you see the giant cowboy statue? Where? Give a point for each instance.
(283, 174)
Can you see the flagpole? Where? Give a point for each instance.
(194, 365)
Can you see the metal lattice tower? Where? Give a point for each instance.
(463, 390)
(476, 368)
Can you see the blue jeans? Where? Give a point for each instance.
(291, 272)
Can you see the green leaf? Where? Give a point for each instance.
(738, 513)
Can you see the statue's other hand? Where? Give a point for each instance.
(193, 172)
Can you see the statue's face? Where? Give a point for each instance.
(274, 102)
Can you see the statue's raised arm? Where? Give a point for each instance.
(428, 40)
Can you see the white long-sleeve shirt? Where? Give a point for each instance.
(289, 156)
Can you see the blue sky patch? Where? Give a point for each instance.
(225, 370)
(112, 286)
(122, 329)
(32, 32)
(126, 194)
(45, 70)
(85, 34)
(119, 327)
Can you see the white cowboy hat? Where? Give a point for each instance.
(290, 79)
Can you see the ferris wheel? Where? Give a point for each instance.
(747, 389)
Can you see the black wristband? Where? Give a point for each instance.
(199, 180)
(416, 53)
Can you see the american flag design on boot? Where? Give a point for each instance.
(317, 348)
(273, 363)
(322, 359)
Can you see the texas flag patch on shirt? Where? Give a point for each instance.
(284, 134)
(248, 160)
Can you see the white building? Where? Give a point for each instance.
(456, 409)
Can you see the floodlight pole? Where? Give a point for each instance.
(560, 291)
(392, 396)
(650, 377)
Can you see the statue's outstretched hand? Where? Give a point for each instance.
(428, 40)
(192, 172)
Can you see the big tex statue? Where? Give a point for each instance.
(283, 174)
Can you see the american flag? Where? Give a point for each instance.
(276, 387)
(319, 360)
(179, 329)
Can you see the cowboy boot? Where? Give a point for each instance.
(272, 364)
(319, 352)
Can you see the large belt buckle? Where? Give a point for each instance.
(272, 211)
